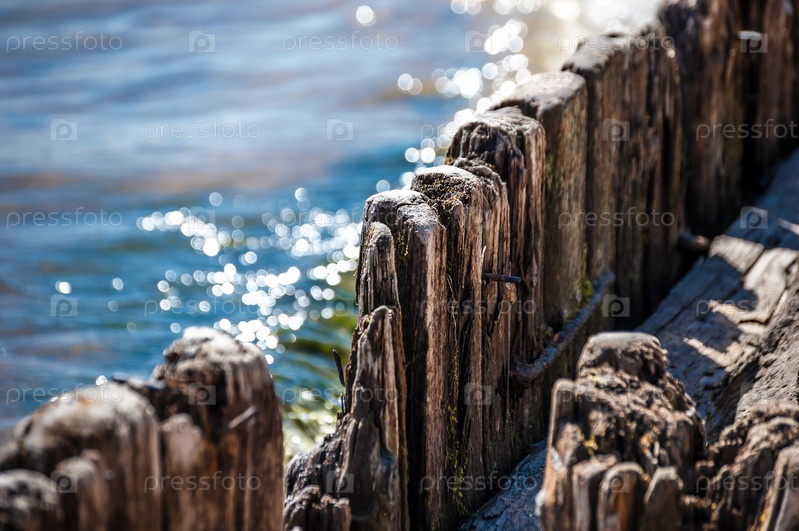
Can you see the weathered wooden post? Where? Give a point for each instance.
(29, 500)
(623, 419)
(221, 422)
(707, 49)
(635, 191)
(420, 257)
(199, 446)
(558, 101)
(767, 46)
(123, 429)
(513, 145)
(357, 478)
(474, 212)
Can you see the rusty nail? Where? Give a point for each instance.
(502, 278)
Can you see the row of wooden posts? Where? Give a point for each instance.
(569, 208)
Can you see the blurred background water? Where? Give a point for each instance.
(166, 164)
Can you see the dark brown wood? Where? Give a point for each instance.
(199, 446)
(513, 146)
(29, 501)
(116, 422)
(558, 101)
(376, 275)
(474, 212)
(357, 478)
(420, 262)
(621, 421)
(715, 321)
(635, 192)
(768, 59)
(707, 49)
(731, 329)
(221, 420)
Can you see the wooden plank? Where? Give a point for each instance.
(715, 318)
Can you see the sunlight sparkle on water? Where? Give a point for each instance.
(63, 287)
(365, 15)
(264, 301)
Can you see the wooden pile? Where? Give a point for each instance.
(198, 446)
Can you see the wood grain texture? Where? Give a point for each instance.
(513, 146)
(707, 47)
(420, 263)
(357, 478)
(116, 422)
(221, 419)
(199, 446)
(716, 320)
(474, 212)
(634, 189)
(558, 101)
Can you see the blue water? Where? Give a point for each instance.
(169, 164)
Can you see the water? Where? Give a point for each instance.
(169, 164)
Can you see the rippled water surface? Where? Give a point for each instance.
(170, 164)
